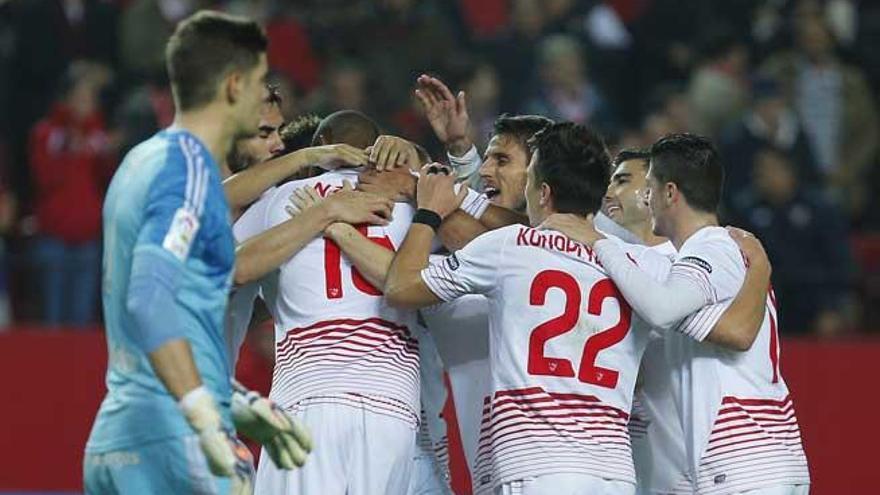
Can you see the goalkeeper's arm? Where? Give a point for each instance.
(153, 285)
(260, 419)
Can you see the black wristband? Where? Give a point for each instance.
(427, 217)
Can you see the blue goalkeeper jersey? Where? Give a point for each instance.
(166, 197)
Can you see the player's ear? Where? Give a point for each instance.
(233, 86)
(670, 193)
(546, 194)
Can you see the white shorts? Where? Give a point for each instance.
(566, 484)
(356, 452)
(426, 478)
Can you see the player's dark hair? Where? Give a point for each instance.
(519, 127)
(273, 96)
(299, 132)
(204, 49)
(628, 154)
(349, 127)
(692, 163)
(575, 163)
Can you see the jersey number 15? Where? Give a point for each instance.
(333, 268)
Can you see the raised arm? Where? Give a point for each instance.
(404, 286)
(246, 186)
(447, 114)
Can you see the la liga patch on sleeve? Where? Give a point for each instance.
(181, 233)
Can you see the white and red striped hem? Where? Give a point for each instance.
(370, 363)
(376, 404)
(638, 420)
(754, 443)
(531, 432)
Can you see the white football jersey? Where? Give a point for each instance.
(741, 432)
(460, 329)
(336, 340)
(655, 428)
(564, 353)
(240, 308)
(432, 438)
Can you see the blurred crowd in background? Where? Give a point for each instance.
(788, 89)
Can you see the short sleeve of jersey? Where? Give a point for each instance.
(470, 270)
(700, 324)
(707, 261)
(176, 201)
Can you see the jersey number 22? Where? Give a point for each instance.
(540, 364)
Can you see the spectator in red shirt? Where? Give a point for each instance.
(71, 159)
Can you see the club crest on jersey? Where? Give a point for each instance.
(452, 262)
(181, 234)
(698, 262)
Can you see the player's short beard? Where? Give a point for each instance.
(244, 133)
(238, 159)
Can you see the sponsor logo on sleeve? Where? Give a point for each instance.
(182, 233)
(452, 262)
(698, 262)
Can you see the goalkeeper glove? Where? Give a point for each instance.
(260, 419)
(225, 454)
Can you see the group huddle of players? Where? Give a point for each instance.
(537, 319)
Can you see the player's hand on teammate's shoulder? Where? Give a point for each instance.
(391, 152)
(436, 190)
(751, 248)
(302, 199)
(334, 156)
(447, 113)
(578, 228)
(345, 205)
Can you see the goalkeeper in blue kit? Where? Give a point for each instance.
(166, 423)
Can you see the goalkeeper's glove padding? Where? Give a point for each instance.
(225, 454)
(258, 418)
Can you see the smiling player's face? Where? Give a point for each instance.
(504, 172)
(624, 201)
